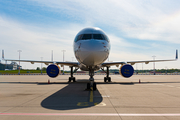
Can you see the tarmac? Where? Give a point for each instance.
(141, 97)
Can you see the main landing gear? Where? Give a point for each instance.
(107, 78)
(91, 85)
(72, 78)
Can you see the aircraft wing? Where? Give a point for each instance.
(74, 64)
(108, 64)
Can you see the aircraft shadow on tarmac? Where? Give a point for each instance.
(85, 81)
(122, 83)
(73, 96)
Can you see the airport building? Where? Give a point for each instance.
(12, 66)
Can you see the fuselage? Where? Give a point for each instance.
(91, 48)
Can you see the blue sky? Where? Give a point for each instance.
(138, 29)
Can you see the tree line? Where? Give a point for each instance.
(139, 71)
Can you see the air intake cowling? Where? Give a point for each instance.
(126, 70)
(53, 70)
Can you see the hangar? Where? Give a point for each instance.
(12, 66)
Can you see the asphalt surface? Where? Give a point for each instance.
(31, 97)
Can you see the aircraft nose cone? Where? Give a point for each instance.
(93, 52)
(93, 58)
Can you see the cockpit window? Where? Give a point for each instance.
(91, 36)
(106, 38)
(83, 37)
(79, 37)
(98, 37)
(87, 36)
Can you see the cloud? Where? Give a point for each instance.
(145, 20)
(166, 29)
(36, 42)
(135, 27)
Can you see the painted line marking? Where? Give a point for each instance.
(164, 85)
(157, 84)
(82, 104)
(149, 115)
(88, 114)
(100, 104)
(169, 86)
(87, 104)
(105, 96)
(91, 96)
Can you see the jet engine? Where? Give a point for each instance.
(53, 70)
(126, 70)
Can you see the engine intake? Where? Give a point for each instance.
(126, 70)
(53, 70)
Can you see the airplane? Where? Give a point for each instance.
(91, 49)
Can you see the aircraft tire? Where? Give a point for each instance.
(109, 79)
(105, 79)
(74, 79)
(69, 79)
(88, 86)
(94, 86)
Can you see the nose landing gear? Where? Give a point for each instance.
(91, 85)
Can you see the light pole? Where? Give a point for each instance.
(63, 59)
(19, 61)
(41, 64)
(154, 64)
(52, 55)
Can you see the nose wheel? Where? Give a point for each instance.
(91, 85)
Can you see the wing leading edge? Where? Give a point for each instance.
(107, 64)
(71, 64)
(74, 64)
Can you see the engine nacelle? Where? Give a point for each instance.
(53, 70)
(126, 70)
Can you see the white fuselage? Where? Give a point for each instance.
(91, 48)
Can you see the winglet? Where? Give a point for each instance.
(176, 54)
(3, 54)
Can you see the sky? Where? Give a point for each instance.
(137, 29)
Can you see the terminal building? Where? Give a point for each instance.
(12, 66)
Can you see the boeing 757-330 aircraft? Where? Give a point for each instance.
(91, 49)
